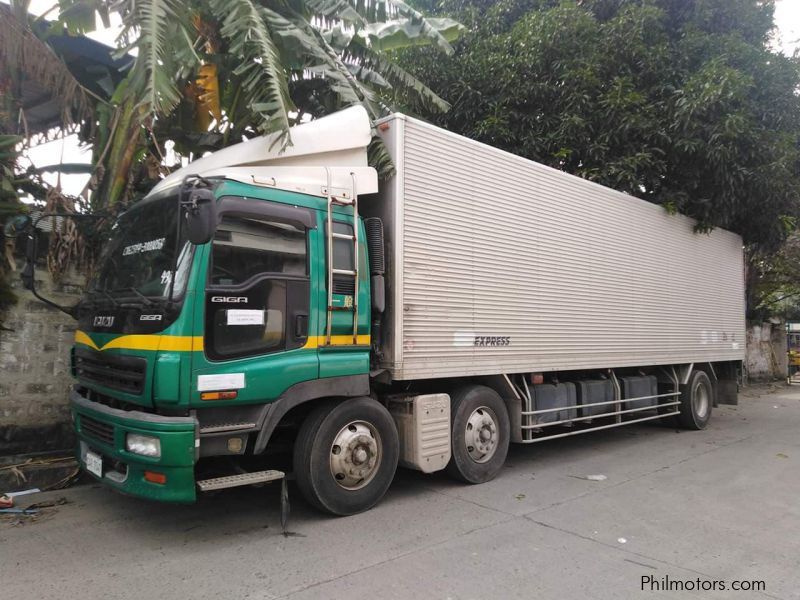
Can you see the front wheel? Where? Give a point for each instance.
(346, 455)
(480, 434)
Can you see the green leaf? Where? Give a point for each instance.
(152, 81)
(427, 28)
(67, 168)
(403, 33)
(244, 25)
(336, 9)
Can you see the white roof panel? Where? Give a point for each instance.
(337, 141)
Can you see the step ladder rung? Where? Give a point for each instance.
(229, 481)
(344, 272)
(344, 236)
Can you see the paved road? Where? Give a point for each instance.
(723, 504)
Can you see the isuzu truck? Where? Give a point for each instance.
(261, 298)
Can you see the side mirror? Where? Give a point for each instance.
(201, 215)
(31, 250)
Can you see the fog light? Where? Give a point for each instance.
(143, 444)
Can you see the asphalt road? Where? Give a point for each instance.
(719, 505)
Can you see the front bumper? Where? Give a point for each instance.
(102, 430)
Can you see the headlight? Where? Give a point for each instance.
(143, 444)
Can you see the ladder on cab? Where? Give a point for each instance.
(342, 200)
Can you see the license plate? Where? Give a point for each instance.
(94, 463)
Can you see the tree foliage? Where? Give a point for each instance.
(202, 75)
(774, 282)
(205, 74)
(680, 102)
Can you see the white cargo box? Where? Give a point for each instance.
(497, 264)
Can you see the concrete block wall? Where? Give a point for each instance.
(35, 341)
(767, 358)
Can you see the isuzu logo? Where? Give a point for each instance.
(230, 299)
(103, 321)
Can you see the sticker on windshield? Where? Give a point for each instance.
(144, 247)
(245, 317)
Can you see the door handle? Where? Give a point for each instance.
(301, 326)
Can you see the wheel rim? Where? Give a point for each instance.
(355, 455)
(480, 435)
(701, 401)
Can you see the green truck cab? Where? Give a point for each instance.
(189, 349)
(163, 383)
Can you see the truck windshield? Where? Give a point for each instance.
(138, 259)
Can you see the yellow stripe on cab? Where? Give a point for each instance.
(173, 343)
(188, 343)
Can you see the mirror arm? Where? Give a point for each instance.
(31, 283)
(185, 207)
(176, 254)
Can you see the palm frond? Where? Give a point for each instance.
(79, 16)
(151, 23)
(379, 158)
(427, 27)
(245, 27)
(402, 82)
(326, 63)
(407, 32)
(336, 10)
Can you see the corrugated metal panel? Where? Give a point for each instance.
(485, 244)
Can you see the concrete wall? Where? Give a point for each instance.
(35, 341)
(766, 358)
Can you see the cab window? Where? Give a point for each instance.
(256, 266)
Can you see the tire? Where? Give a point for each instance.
(345, 455)
(476, 409)
(697, 400)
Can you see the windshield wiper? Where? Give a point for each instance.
(90, 293)
(147, 300)
(110, 297)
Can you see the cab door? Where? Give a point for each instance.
(257, 303)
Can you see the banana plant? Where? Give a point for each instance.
(209, 73)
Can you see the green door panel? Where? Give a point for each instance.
(340, 361)
(265, 377)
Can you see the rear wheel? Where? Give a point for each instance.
(346, 455)
(697, 398)
(480, 434)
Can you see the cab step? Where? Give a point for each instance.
(240, 479)
(229, 481)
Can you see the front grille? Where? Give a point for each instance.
(102, 432)
(123, 373)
